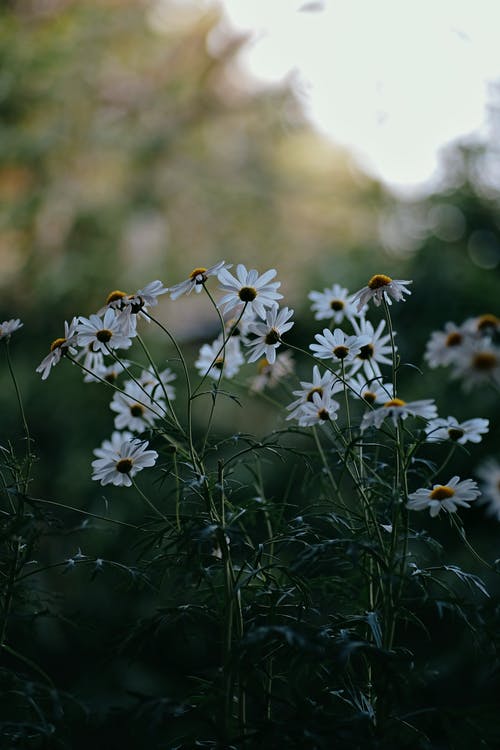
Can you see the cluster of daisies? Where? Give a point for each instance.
(471, 351)
(253, 327)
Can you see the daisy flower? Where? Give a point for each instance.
(59, 348)
(373, 391)
(135, 409)
(269, 334)
(478, 365)
(119, 460)
(447, 496)
(320, 409)
(334, 303)
(8, 327)
(337, 345)
(154, 385)
(396, 409)
(320, 384)
(483, 325)
(489, 473)
(269, 375)
(196, 279)
(374, 352)
(445, 347)
(102, 334)
(381, 287)
(250, 289)
(470, 431)
(113, 444)
(213, 357)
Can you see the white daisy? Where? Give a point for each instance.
(155, 386)
(375, 351)
(447, 496)
(147, 296)
(337, 345)
(119, 461)
(335, 303)
(8, 327)
(59, 348)
(135, 409)
(381, 287)
(196, 279)
(102, 334)
(479, 364)
(250, 289)
(113, 444)
(214, 357)
(320, 384)
(269, 334)
(483, 325)
(489, 473)
(269, 375)
(445, 347)
(371, 390)
(320, 409)
(396, 409)
(470, 431)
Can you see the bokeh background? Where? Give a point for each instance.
(134, 147)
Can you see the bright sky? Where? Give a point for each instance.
(392, 79)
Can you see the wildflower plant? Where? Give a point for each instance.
(299, 561)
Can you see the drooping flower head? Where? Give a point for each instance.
(59, 348)
(396, 408)
(197, 279)
(381, 287)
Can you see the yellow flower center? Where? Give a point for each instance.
(379, 280)
(57, 343)
(104, 335)
(323, 415)
(369, 397)
(111, 377)
(337, 305)
(198, 272)
(442, 492)
(262, 365)
(395, 402)
(454, 339)
(114, 296)
(137, 410)
(455, 433)
(124, 465)
(310, 395)
(341, 352)
(219, 362)
(272, 337)
(487, 321)
(484, 361)
(247, 293)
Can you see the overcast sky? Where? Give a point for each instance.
(392, 79)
